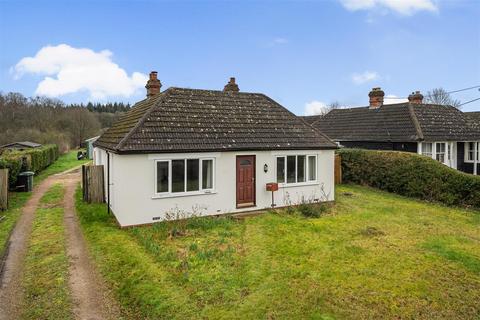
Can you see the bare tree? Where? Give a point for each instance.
(441, 96)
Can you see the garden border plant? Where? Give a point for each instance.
(411, 175)
(35, 160)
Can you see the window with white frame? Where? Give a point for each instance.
(178, 176)
(440, 151)
(427, 149)
(470, 151)
(296, 169)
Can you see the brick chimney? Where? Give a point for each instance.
(153, 85)
(376, 98)
(231, 86)
(416, 97)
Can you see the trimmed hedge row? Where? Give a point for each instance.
(34, 160)
(411, 175)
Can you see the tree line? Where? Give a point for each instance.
(46, 120)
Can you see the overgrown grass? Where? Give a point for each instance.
(65, 162)
(373, 255)
(45, 279)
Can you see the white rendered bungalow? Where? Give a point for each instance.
(184, 152)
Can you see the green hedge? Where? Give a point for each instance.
(34, 160)
(410, 175)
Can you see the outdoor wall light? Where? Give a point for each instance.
(265, 168)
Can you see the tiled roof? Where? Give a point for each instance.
(474, 116)
(189, 120)
(402, 122)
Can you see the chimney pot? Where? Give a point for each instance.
(153, 85)
(376, 98)
(231, 86)
(416, 97)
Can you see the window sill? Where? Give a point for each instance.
(183, 194)
(471, 161)
(298, 184)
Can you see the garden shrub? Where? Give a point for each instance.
(34, 160)
(411, 175)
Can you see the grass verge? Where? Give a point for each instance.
(45, 279)
(373, 255)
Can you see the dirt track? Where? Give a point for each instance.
(90, 296)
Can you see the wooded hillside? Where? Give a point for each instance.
(45, 120)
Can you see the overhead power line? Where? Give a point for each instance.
(449, 92)
(468, 102)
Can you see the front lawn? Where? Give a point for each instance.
(374, 255)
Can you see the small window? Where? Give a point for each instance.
(281, 169)
(207, 174)
(312, 168)
(162, 176)
(245, 162)
(440, 152)
(427, 149)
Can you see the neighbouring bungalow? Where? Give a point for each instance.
(184, 152)
(22, 145)
(441, 132)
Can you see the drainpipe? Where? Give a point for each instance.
(108, 182)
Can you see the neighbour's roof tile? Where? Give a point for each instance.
(401, 122)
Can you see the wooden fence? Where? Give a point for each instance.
(3, 189)
(93, 184)
(338, 169)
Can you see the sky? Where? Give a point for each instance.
(303, 54)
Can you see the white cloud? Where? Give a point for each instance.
(391, 99)
(404, 7)
(367, 76)
(277, 42)
(71, 70)
(315, 107)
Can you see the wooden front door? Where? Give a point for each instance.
(245, 181)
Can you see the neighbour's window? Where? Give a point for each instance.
(183, 175)
(427, 149)
(296, 169)
(440, 151)
(470, 151)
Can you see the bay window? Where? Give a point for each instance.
(296, 169)
(178, 176)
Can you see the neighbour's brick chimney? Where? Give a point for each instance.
(416, 97)
(376, 98)
(231, 86)
(153, 85)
